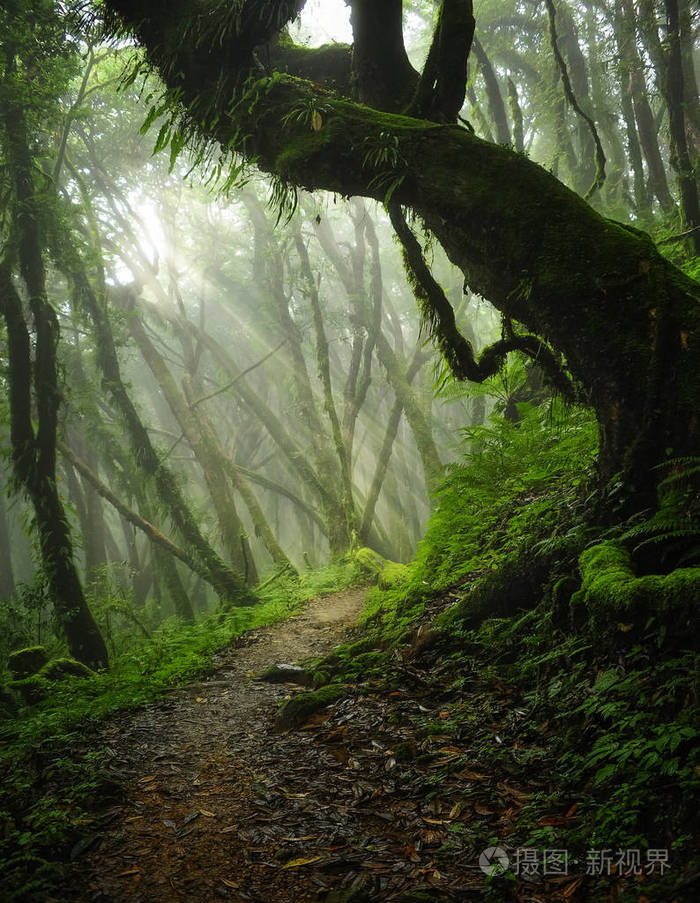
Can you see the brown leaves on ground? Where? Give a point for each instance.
(360, 798)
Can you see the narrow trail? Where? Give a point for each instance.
(358, 805)
(201, 770)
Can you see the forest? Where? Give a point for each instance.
(349, 451)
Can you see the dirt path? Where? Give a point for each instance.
(199, 777)
(370, 801)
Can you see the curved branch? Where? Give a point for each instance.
(437, 312)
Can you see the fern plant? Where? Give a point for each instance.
(670, 537)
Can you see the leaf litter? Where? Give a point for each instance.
(359, 804)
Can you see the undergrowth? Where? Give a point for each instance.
(598, 714)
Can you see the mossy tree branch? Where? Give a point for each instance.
(626, 320)
(439, 316)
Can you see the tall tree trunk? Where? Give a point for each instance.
(673, 84)
(180, 601)
(95, 553)
(394, 367)
(585, 172)
(7, 580)
(342, 451)
(34, 454)
(384, 456)
(232, 532)
(319, 450)
(228, 585)
(167, 571)
(493, 92)
(626, 37)
(334, 521)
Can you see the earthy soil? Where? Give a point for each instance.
(352, 807)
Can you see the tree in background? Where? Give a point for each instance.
(35, 65)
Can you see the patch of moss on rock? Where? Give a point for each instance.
(393, 575)
(387, 573)
(24, 662)
(321, 678)
(60, 668)
(301, 707)
(370, 561)
(38, 686)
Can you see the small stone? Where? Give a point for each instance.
(283, 674)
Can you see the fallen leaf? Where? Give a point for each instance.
(571, 888)
(128, 872)
(552, 820)
(412, 853)
(233, 884)
(147, 779)
(207, 813)
(482, 810)
(297, 863)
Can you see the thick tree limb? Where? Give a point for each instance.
(599, 292)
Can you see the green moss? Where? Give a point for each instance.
(8, 703)
(300, 707)
(60, 668)
(393, 575)
(32, 689)
(389, 574)
(37, 687)
(365, 665)
(370, 560)
(25, 662)
(610, 591)
(321, 678)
